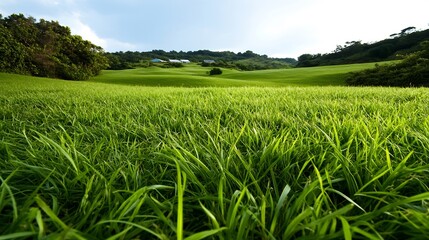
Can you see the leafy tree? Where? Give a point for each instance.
(248, 54)
(23, 29)
(407, 30)
(47, 49)
(308, 60)
(12, 52)
(382, 51)
(115, 63)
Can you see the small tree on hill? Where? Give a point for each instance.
(215, 71)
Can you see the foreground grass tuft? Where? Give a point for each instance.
(94, 161)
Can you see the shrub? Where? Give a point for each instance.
(215, 71)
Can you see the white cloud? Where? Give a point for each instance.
(49, 2)
(78, 27)
(273, 27)
(56, 2)
(8, 2)
(320, 26)
(113, 45)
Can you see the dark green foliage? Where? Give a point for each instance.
(13, 55)
(308, 60)
(407, 41)
(220, 64)
(242, 61)
(215, 71)
(260, 64)
(382, 51)
(47, 49)
(172, 65)
(413, 71)
(116, 64)
(249, 64)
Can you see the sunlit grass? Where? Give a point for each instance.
(84, 160)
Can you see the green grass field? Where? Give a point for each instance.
(90, 160)
(193, 75)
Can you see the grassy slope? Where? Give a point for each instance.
(90, 160)
(195, 76)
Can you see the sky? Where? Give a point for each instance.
(277, 28)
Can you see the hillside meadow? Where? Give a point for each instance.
(114, 158)
(193, 75)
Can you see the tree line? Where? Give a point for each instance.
(47, 49)
(406, 41)
(412, 71)
(247, 60)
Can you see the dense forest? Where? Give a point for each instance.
(413, 71)
(399, 44)
(47, 49)
(244, 61)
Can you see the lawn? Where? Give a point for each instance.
(101, 160)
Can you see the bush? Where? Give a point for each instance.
(215, 71)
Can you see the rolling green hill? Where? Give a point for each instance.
(193, 75)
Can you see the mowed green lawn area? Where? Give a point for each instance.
(193, 75)
(105, 160)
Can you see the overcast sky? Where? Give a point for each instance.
(278, 28)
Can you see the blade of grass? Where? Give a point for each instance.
(205, 234)
(346, 228)
(279, 205)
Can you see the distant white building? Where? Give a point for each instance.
(157, 60)
(174, 61)
(185, 61)
(209, 61)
